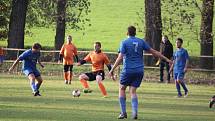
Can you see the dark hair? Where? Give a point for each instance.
(98, 43)
(131, 31)
(179, 39)
(37, 46)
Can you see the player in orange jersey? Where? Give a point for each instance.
(98, 59)
(67, 53)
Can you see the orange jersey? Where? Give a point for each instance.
(98, 60)
(1, 51)
(68, 51)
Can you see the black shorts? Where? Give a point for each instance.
(92, 75)
(68, 68)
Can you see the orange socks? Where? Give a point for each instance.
(102, 88)
(84, 83)
(67, 76)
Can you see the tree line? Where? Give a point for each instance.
(18, 13)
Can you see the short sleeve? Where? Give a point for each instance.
(186, 55)
(106, 60)
(23, 55)
(122, 48)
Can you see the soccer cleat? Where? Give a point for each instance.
(212, 101)
(105, 96)
(134, 117)
(69, 82)
(66, 82)
(87, 90)
(185, 94)
(37, 93)
(178, 96)
(122, 116)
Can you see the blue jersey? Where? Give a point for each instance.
(180, 57)
(132, 49)
(29, 59)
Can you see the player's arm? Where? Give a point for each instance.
(86, 59)
(14, 64)
(81, 62)
(76, 54)
(158, 54)
(76, 58)
(39, 62)
(186, 65)
(171, 66)
(60, 58)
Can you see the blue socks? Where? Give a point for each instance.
(33, 86)
(122, 103)
(178, 88)
(134, 104)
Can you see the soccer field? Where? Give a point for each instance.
(156, 102)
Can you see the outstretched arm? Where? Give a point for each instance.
(14, 64)
(81, 62)
(158, 54)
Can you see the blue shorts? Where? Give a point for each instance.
(179, 76)
(31, 71)
(131, 79)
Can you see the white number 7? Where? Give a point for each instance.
(135, 46)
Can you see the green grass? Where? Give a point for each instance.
(156, 102)
(109, 19)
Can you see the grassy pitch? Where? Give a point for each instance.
(156, 102)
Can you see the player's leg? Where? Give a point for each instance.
(177, 84)
(31, 77)
(122, 101)
(212, 101)
(66, 73)
(99, 77)
(70, 75)
(181, 78)
(168, 74)
(161, 70)
(29, 73)
(101, 86)
(135, 83)
(134, 101)
(83, 79)
(39, 82)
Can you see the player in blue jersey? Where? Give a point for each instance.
(131, 52)
(29, 59)
(179, 66)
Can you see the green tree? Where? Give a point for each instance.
(206, 34)
(153, 25)
(59, 14)
(17, 23)
(4, 18)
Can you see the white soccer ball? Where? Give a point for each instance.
(76, 93)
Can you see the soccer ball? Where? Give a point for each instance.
(76, 93)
